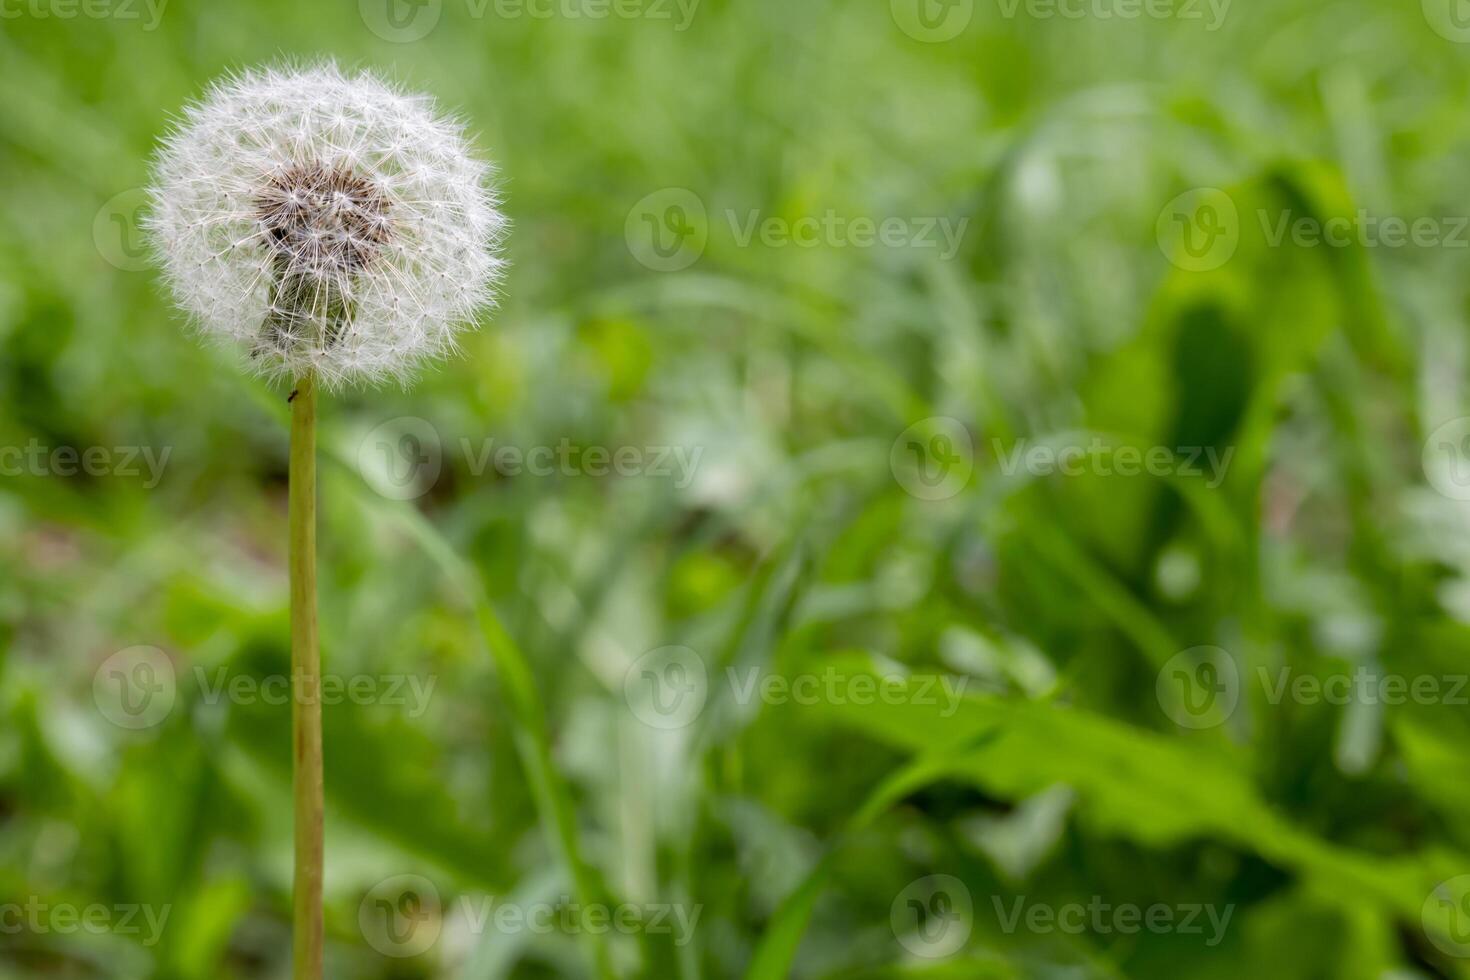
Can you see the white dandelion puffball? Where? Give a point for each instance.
(326, 223)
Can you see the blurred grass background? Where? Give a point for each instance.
(798, 831)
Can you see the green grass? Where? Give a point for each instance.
(798, 833)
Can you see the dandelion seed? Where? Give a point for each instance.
(325, 222)
(339, 231)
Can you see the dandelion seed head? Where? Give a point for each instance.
(324, 221)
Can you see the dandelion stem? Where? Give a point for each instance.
(306, 668)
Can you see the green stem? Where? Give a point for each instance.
(306, 708)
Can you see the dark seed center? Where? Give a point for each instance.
(323, 219)
(323, 224)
